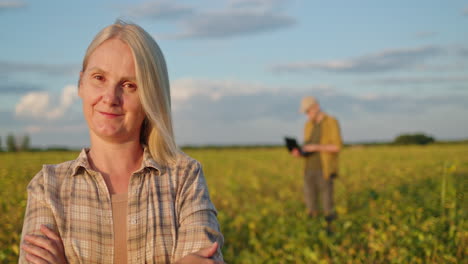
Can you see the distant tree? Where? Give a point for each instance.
(0, 143)
(415, 139)
(11, 143)
(25, 143)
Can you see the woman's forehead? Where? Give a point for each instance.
(112, 55)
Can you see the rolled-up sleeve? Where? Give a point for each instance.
(198, 224)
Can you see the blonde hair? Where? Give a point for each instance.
(153, 86)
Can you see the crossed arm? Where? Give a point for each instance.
(43, 245)
(49, 249)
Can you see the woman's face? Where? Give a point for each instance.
(108, 89)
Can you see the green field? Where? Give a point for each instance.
(395, 204)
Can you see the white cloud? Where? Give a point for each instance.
(39, 105)
(49, 69)
(163, 10)
(416, 80)
(231, 23)
(261, 5)
(216, 92)
(11, 5)
(34, 103)
(238, 17)
(10, 88)
(386, 60)
(231, 111)
(465, 12)
(184, 89)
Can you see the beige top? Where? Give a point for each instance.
(119, 218)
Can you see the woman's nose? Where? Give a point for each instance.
(112, 95)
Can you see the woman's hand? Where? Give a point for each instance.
(202, 256)
(42, 250)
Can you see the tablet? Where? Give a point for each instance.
(291, 143)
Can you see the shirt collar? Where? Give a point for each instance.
(148, 161)
(325, 116)
(83, 162)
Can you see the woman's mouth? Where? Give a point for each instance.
(110, 115)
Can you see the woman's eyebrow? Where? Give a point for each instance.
(131, 79)
(125, 78)
(96, 69)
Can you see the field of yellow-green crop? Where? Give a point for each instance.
(395, 204)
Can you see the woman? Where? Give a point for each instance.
(133, 197)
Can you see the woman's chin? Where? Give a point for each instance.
(109, 133)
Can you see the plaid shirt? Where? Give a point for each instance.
(170, 213)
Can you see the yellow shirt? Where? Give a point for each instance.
(329, 134)
(313, 162)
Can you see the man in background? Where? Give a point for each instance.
(322, 144)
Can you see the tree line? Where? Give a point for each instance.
(23, 143)
(16, 143)
(413, 139)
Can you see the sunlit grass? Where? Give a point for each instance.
(395, 204)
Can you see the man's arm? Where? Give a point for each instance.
(333, 146)
(321, 148)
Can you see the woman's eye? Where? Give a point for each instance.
(98, 77)
(130, 86)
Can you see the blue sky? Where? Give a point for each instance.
(239, 68)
